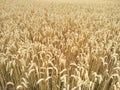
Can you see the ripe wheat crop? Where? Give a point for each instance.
(59, 45)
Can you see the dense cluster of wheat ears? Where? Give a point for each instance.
(58, 45)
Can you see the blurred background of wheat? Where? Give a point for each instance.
(59, 45)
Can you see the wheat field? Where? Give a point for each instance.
(59, 44)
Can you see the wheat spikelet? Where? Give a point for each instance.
(40, 80)
(19, 87)
(10, 83)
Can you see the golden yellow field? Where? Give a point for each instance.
(59, 44)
